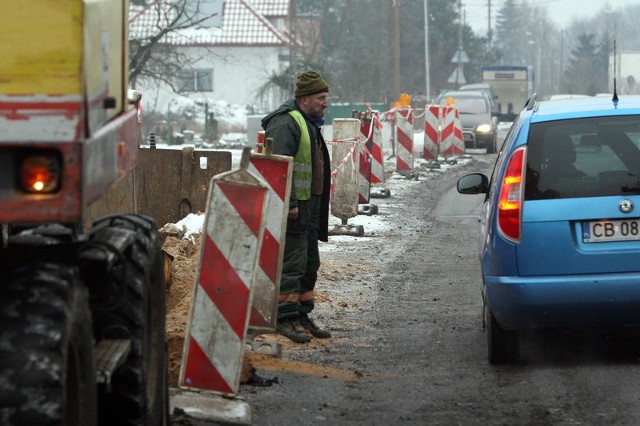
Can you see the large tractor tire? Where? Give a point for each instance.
(47, 372)
(134, 308)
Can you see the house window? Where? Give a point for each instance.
(195, 80)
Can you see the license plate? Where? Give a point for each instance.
(610, 230)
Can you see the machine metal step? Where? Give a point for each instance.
(110, 354)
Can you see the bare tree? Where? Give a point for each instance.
(152, 27)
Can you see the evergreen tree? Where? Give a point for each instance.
(586, 70)
(511, 33)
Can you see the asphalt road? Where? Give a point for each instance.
(408, 347)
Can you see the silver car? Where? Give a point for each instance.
(479, 121)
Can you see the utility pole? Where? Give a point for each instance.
(292, 45)
(489, 24)
(396, 59)
(426, 50)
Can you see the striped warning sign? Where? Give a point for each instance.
(276, 171)
(404, 136)
(260, 141)
(232, 235)
(364, 156)
(432, 132)
(451, 140)
(377, 163)
(442, 132)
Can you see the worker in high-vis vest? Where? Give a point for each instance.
(295, 130)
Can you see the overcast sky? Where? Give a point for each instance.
(560, 11)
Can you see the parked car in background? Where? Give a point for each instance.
(560, 228)
(479, 124)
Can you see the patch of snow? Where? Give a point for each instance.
(396, 183)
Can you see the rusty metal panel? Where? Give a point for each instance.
(170, 184)
(120, 198)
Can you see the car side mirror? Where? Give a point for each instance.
(474, 183)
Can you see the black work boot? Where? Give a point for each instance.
(311, 326)
(291, 328)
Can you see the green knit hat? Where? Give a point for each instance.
(309, 83)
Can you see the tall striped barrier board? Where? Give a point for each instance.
(276, 171)
(364, 158)
(451, 140)
(377, 164)
(432, 132)
(221, 303)
(404, 137)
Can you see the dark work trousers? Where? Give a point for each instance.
(308, 281)
(300, 268)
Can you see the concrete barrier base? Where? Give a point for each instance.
(209, 406)
(380, 193)
(352, 230)
(367, 209)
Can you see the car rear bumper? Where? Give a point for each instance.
(565, 301)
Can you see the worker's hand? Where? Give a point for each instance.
(293, 213)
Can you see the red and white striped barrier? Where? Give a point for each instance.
(451, 140)
(432, 132)
(442, 132)
(364, 182)
(221, 302)
(377, 160)
(260, 141)
(276, 171)
(404, 136)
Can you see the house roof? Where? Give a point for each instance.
(272, 7)
(244, 22)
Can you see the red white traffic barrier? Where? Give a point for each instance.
(442, 132)
(260, 141)
(364, 155)
(377, 163)
(364, 180)
(451, 140)
(221, 302)
(404, 136)
(276, 171)
(432, 132)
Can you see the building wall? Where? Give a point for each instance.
(238, 75)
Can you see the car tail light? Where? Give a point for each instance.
(40, 173)
(511, 192)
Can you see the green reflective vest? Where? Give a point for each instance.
(302, 161)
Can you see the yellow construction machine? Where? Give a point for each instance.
(82, 294)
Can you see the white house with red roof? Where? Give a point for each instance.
(231, 63)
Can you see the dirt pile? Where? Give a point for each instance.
(181, 259)
(182, 256)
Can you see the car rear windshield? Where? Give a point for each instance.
(471, 105)
(588, 157)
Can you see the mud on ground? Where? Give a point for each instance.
(181, 260)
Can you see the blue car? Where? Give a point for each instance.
(560, 226)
